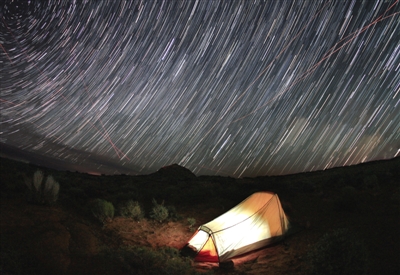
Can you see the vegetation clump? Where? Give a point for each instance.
(159, 212)
(338, 252)
(42, 192)
(191, 222)
(173, 213)
(102, 210)
(132, 209)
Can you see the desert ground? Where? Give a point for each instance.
(65, 238)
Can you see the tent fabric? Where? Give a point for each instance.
(208, 253)
(256, 222)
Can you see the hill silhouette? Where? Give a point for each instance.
(175, 172)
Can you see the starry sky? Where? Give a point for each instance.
(232, 88)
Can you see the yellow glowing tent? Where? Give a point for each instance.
(256, 222)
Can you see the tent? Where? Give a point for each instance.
(256, 222)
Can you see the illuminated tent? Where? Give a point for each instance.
(256, 222)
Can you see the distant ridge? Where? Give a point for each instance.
(173, 171)
(89, 166)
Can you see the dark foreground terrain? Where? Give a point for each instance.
(65, 237)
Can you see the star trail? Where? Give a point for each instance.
(238, 88)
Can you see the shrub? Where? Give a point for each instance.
(338, 252)
(173, 213)
(102, 210)
(159, 212)
(191, 222)
(51, 189)
(42, 193)
(132, 209)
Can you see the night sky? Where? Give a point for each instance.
(232, 88)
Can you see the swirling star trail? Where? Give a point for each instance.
(238, 88)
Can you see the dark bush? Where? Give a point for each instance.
(173, 213)
(191, 222)
(159, 212)
(132, 209)
(338, 252)
(102, 210)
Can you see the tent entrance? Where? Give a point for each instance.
(208, 253)
(201, 247)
